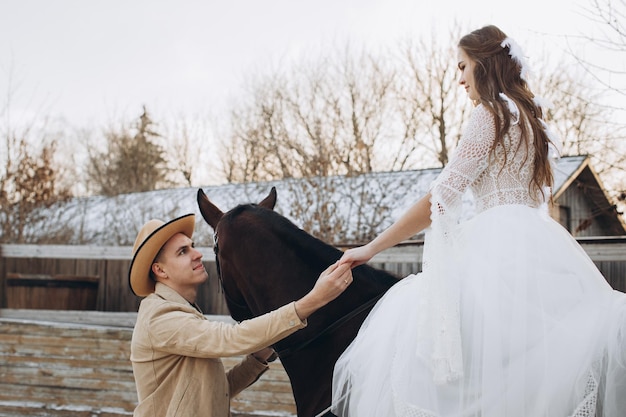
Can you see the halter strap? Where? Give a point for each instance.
(337, 323)
(219, 275)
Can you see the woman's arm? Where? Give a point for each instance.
(467, 162)
(413, 221)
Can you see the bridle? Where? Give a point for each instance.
(228, 298)
(293, 349)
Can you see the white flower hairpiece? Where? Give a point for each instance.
(515, 51)
(555, 147)
(512, 107)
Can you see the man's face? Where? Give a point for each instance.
(181, 263)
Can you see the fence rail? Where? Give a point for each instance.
(110, 266)
(76, 364)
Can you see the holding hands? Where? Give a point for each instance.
(357, 256)
(330, 284)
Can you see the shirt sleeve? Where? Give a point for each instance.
(468, 161)
(174, 330)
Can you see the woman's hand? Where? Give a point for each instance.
(357, 256)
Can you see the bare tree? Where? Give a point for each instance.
(350, 112)
(31, 178)
(189, 149)
(353, 113)
(608, 35)
(433, 106)
(322, 118)
(331, 116)
(586, 121)
(29, 184)
(608, 18)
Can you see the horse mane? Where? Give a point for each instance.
(283, 227)
(317, 250)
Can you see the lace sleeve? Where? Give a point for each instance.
(468, 161)
(441, 323)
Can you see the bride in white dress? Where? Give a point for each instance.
(510, 317)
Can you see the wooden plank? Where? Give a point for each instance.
(99, 365)
(58, 292)
(78, 252)
(271, 392)
(86, 368)
(55, 330)
(403, 253)
(16, 408)
(114, 294)
(60, 353)
(80, 379)
(603, 251)
(117, 294)
(63, 398)
(85, 318)
(14, 278)
(101, 318)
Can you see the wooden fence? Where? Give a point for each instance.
(96, 278)
(76, 364)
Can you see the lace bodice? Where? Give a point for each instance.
(493, 179)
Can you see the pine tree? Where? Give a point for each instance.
(132, 162)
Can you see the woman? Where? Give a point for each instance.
(509, 317)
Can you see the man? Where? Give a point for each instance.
(175, 350)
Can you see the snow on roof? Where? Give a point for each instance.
(565, 168)
(111, 221)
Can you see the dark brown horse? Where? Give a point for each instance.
(265, 262)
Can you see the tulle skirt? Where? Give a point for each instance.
(542, 333)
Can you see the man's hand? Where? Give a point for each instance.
(330, 284)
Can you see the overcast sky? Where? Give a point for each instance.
(88, 61)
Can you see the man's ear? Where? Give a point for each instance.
(158, 271)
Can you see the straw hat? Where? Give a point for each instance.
(150, 239)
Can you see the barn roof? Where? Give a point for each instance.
(115, 220)
(566, 171)
(581, 175)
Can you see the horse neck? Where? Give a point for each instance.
(271, 249)
(270, 260)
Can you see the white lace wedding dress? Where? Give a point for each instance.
(509, 318)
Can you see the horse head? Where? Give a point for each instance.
(212, 214)
(234, 296)
(265, 262)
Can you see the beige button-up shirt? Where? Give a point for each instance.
(176, 351)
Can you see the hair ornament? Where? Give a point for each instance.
(513, 109)
(555, 147)
(515, 51)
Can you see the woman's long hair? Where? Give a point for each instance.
(496, 72)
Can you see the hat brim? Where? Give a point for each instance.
(139, 271)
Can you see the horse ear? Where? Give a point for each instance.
(270, 201)
(209, 211)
